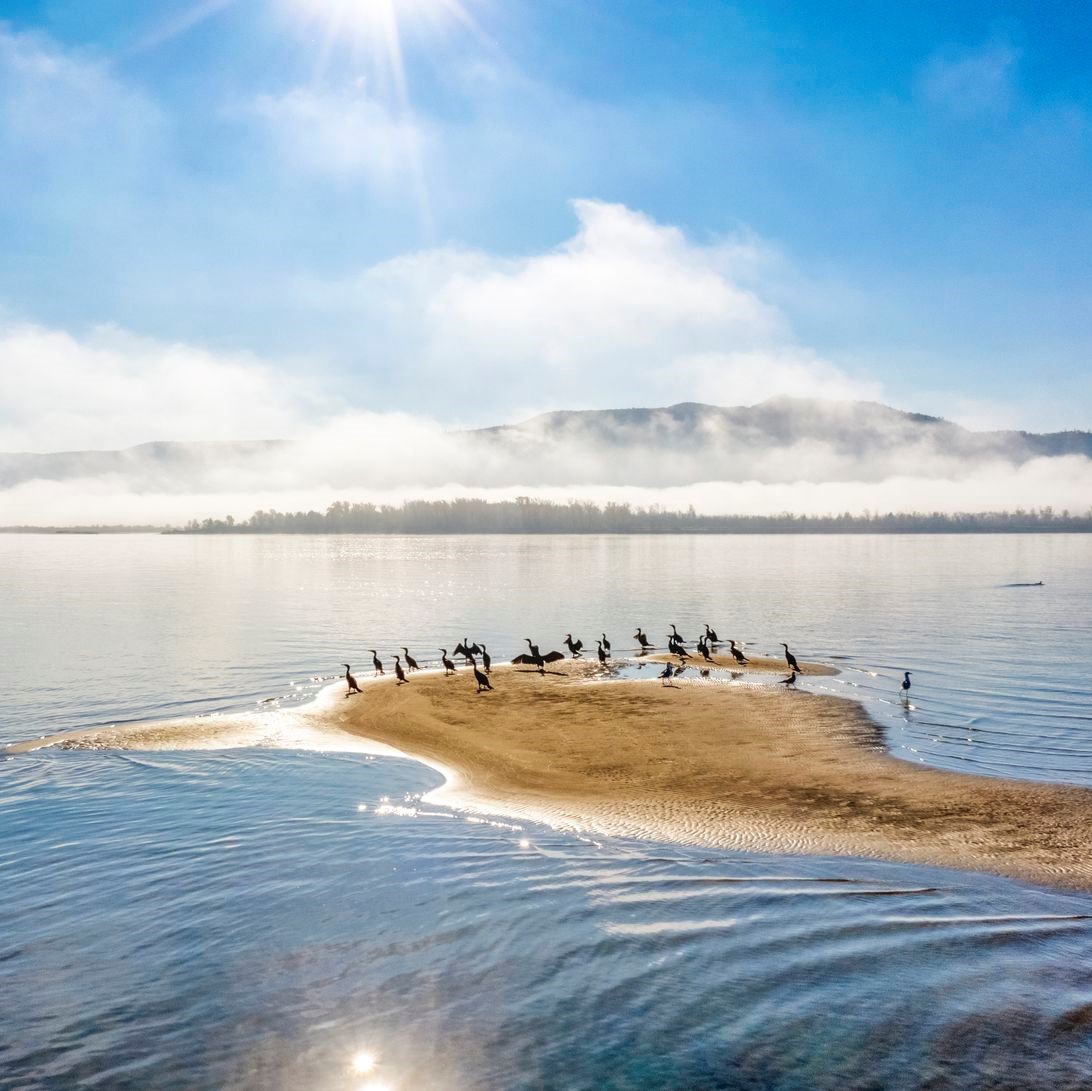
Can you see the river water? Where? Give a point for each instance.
(267, 915)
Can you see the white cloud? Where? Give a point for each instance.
(973, 83)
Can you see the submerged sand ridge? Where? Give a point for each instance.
(733, 766)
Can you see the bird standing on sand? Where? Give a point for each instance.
(665, 675)
(790, 681)
(481, 679)
(737, 655)
(377, 663)
(350, 681)
(675, 648)
(574, 646)
(449, 667)
(791, 659)
(641, 639)
(703, 647)
(487, 661)
(535, 658)
(905, 685)
(410, 661)
(603, 651)
(398, 672)
(467, 650)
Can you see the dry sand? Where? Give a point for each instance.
(744, 767)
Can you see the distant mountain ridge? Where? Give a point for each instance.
(778, 440)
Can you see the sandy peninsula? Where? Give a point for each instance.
(745, 766)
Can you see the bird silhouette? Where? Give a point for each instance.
(711, 635)
(410, 661)
(574, 646)
(466, 649)
(480, 678)
(641, 639)
(703, 647)
(791, 659)
(487, 660)
(737, 655)
(603, 652)
(675, 633)
(905, 685)
(350, 681)
(535, 658)
(449, 667)
(606, 642)
(377, 663)
(398, 672)
(665, 675)
(790, 681)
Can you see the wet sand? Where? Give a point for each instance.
(754, 767)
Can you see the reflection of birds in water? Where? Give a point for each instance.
(487, 660)
(790, 658)
(350, 681)
(535, 658)
(481, 679)
(449, 667)
(410, 661)
(574, 646)
(790, 681)
(641, 639)
(711, 635)
(906, 685)
(679, 670)
(665, 675)
(603, 652)
(606, 642)
(377, 663)
(737, 655)
(398, 672)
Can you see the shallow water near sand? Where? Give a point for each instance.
(259, 916)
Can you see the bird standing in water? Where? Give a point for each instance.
(350, 681)
(603, 651)
(481, 679)
(398, 672)
(711, 635)
(377, 663)
(641, 639)
(410, 661)
(790, 659)
(606, 642)
(905, 686)
(737, 655)
(449, 667)
(574, 646)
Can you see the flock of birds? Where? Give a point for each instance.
(539, 660)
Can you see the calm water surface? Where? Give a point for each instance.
(235, 919)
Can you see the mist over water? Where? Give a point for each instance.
(233, 918)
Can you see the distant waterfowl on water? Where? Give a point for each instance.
(377, 663)
(350, 681)
(410, 661)
(737, 655)
(790, 658)
(574, 646)
(449, 667)
(906, 684)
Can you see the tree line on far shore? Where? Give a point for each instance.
(525, 515)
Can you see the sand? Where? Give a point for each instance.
(754, 767)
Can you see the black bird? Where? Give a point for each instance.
(737, 655)
(905, 685)
(487, 660)
(790, 681)
(350, 681)
(535, 659)
(791, 659)
(711, 635)
(481, 679)
(603, 652)
(665, 675)
(574, 646)
(675, 633)
(642, 640)
(466, 649)
(398, 672)
(606, 642)
(410, 661)
(704, 649)
(449, 667)
(377, 663)
(675, 648)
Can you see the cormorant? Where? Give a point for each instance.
(377, 663)
(350, 681)
(467, 650)
(704, 649)
(665, 675)
(535, 658)
(398, 672)
(574, 646)
(481, 679)
(791, 659)
(641, 639)
(410, 661)
(737, 655)
(487, 660)
(675, 648)
(905, 685)
(606, 642)
(675, 634)
(711, 635)
(603, 652)
(790, 681)
(449, 667)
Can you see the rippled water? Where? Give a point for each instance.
(234, 919)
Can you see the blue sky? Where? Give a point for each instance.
(873, 200)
